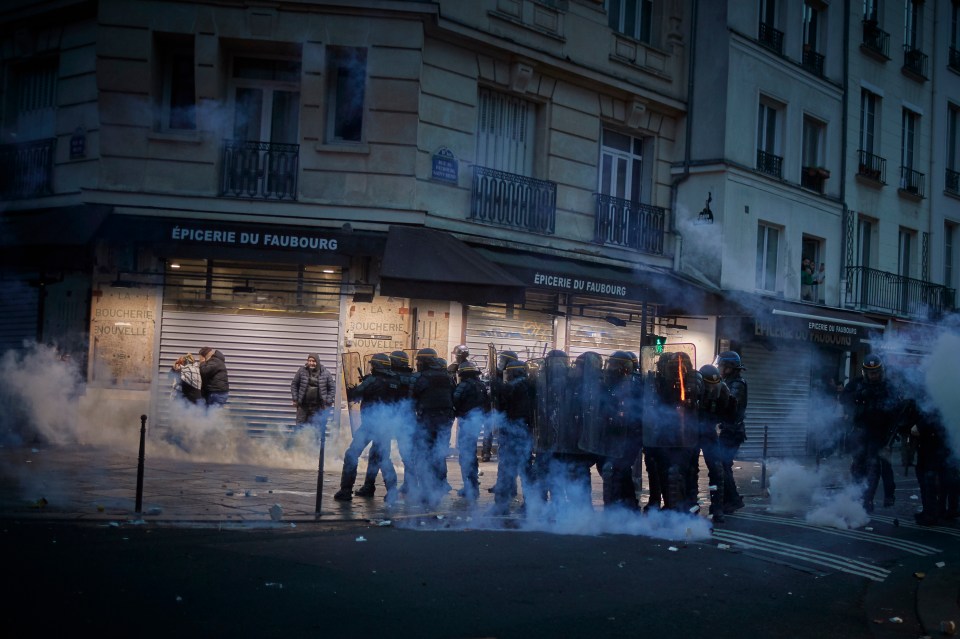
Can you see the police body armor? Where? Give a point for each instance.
(434, 393)
(587, 395)
(733, 431)
(373, 390)
(670, 410)
(876, 409)
(470, 394)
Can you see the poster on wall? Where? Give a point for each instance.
(122, 331)
(380, 326)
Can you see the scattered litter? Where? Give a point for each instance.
(695, 508)
(869, 528)
(156, 510)
(115, 524)
(261, 478)
(919, 575)
(100, 508)
(178, 599)
(276, 512)
(249, 493)
(229, 493)
(621, 564)
(274, 584)
(723, 546)
(896, 620)
(673, 548)
(940, 564)
(385, 522)
(754, 480)
(34, 450)
(136, 522)
(360, 538)
(439, 516)
(914, 497)
(948, 627)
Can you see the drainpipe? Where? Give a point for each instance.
(844, 135)
(677, 181)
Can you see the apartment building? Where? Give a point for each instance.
(341, 177)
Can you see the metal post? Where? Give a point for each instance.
(323, 443)
(143, 435)
(763, 461)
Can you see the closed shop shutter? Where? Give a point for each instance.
(262, 353)
(18, 322)
(778, 387)
(590, 334)
(529, 333)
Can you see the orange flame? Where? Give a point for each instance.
(683, 390)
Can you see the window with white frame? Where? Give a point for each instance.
(864, 242)
(768, 12)
(621, 166)
(505, 132)
(175, 88)
(811, 26)
(908, 129)
(631, 18)
(905, 252)
(912, 23)
(869, 110)
(768, 138)
(871, 11)
(813, 137)
(768, 249)
(266, 100)
(346, 93)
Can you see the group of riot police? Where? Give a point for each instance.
(554, 420)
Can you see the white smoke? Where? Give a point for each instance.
(827, 499)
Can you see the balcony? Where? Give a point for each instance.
(912, 181)
(872, 167)
(953, 61)
(771, 38)
(514, 201)
(914, 62)
(813, 62)
(952, 181)
(629, 224)
(26, 169)
(875, 40)
(868, 289)
(814, 178)
(259, 170)
(770, 164)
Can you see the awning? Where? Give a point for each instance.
(644, 283)
(429, 264)
(68, 226)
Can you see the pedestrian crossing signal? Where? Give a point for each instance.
(658, 342)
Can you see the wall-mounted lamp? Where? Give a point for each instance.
(706, 215)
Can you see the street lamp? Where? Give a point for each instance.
(706, 215)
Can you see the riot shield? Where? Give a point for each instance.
(351, 367)
(493, 380)
(671, 397)
(587, 395)
(555, 432)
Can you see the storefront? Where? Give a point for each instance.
(796, 357)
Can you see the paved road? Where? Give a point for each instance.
(205, 558)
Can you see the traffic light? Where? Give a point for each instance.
(657, 341)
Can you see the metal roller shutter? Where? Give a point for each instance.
(262, 353)
(590, 334)
(18, 322)
(529, 333)
(778, 387)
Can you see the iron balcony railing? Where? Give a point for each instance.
(769, 163)
(868, 289)
(912, 181)
(914, 61)
(813, 62)
(261, 170)
(952, 181)
(26, 169)
(814, 178)
(629, 224)
(954, 60)
(872, 167)
(771, 38)
(875, 39)
(514, 201)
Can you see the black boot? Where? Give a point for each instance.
(367, 490)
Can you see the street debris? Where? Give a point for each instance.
(948, 627)
(261, 478)
(361, 538)
(940, 564)
(723, 546)
(919, 575)
(229, 493)
(156, 510)
(274, 584)
(276, 512)
(673, 548)
(896, 620)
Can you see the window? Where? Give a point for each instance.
(868, 120)
(768, 239)
(631, 17)
(864, 242)
(769, 159)
(871, 11)
(505, 132)
(949, 255)
(346, 91)
(904, 250)
(768, 12)
(953, 137)
(811, 28)
(621, 166)
(912, 24)
(813, 136)
(266, 100)
(33, 100)
(176, 94)
(908, 127)
(955, 26)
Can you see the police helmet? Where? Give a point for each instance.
(872, 368)
(467, 369)
(589, 360)
(556, 358)
(729, 358)
(516, 368)
(425, 358)
(710, 374)
(461, 352)
(505, 357)
(399, 359)
(619, 361)
(380, 362)
(439, 363)
(635, 360)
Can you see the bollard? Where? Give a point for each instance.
(323, 441)
(763, 462)
(143, 435)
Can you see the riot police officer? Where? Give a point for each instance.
(471, 402)
(433, 401)
(495, 384)
(517, 399)
(622, 439)
(872, 405)
(715, 407)
(374, 396)
(460, 354)
(733, 431)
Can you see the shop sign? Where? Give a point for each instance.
(579, 285)
(250, 237)
(815, 331)
(446, 168)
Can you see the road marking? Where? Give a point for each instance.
(803, 553)
(954, 532)
(861, 535)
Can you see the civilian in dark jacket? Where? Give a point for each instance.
(313, 389)
(213, 377)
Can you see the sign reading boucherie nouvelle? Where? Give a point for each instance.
(253, 237)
